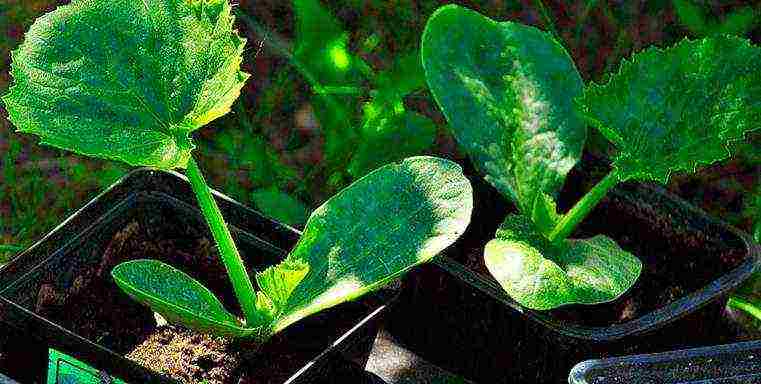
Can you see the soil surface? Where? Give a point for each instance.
(93, 307)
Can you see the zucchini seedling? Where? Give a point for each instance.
(131, 80)
(519, 108)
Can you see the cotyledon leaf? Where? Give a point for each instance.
(177, 297)
(542, 275)
(674, 109)
(385, 223)
(507, 91)
(126, 79)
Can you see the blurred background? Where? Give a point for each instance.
(337, 90)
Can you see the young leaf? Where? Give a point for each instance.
(541, 275)
(385, 223)
(674, 109)
(176, 296)
(507, 91)
(278, 281)
(126, 80)
(545, 214)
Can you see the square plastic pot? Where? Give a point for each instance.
(78, 244)
(465, 322)
(732, 363)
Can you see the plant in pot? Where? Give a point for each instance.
(131, 80)
(519, 109)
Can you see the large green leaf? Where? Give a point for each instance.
(385, 223)
(541, 275)
(177, 296)
(507, 91)
(674, 109)
(125, 79)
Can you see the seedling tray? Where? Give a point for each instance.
(473, 328)
(725, 364)
(64, 261)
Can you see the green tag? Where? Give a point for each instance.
(64, 369)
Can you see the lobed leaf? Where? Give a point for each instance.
(507, 92)
(674, 109)
(278, 281)
(177, 297)
(542, 275)
(382, 225)
(126, 80)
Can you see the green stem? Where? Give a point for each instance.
(572, 218)
(242, 285)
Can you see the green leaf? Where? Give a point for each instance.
(674, 109)
(692, 17)
(280, 205)
(404, 76)
(541, 275)
(372, 232)
(738, 22)
(176, 296)
(545, 214)
(507, 91)
(278, 281)
(126, 80)
(391, 137)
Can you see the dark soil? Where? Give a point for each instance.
(93, 307)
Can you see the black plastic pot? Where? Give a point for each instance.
(732, 363)
(59, 261)
(465, 322)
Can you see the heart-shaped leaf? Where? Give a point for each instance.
(176, 296)
(507, 92)
(542, 275)
(674, 109)
(382, 225)
(126, 80)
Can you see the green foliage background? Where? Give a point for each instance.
(284, 152)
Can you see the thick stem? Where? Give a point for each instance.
(572, 218)
(236, 270)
